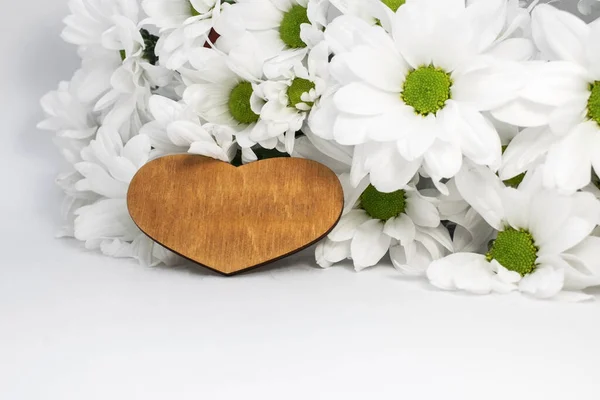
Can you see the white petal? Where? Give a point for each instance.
(543, 283)
(505, 275)
(439, 234)
(164, 109)
(525, 150)
(548, 212)
(584, 264)
(478, 138)
(361, 99)
(348, 224)
(482, 189)
(396, 124)
(522, 112)
(555, 83)
(489, 17)
(413, 37)
(515, 49)
(422, 212)
(462, 271)
(376, 67)
(568, 116)
(418, 259)
(105, 219)
(137, 150)
(559, 35)
(322, 118)
(424, 132)
(593, 53)
(389, 171)
(351, 129)
(369, 244)
(568, 164)
(515, 205)
(443, 160)
(488, 88)
(400, 228)
(343, 31)
(329, 252)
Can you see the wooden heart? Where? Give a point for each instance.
(230, 219)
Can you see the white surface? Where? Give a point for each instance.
(76, 325)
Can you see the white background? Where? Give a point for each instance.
(77, 325)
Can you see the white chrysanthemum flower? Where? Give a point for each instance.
(543, 245)
(222, 91)
(280, 26)
(290, 92)
(177, 129)
(405, 223)
(106, 170)
(184, 25)
(91, 20)
(417, 97)
(73, 121)
(118, 70)
(564, 94)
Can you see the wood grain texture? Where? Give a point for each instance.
(231, 219)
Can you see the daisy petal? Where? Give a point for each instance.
(568, 164)
(400, 228)
(329, 252)
(462, 271)
(418, 260)
(360, 99)
(378, 68)
(515, 204)
(522, 112)
(488, 88)
(584, 264)
(422, 212)
(525, 150)
(560, 35)
(482, 190)
(544, 203)
(543, 283)
(369, 244)
(348, 224)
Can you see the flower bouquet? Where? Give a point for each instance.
(465, 133)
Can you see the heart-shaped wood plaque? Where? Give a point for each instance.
(230, 219)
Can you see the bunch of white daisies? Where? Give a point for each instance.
(466, 134)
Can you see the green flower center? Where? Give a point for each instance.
(239, 104)
(515, 250)
(594, 102)
(383, 206)
(298, 87)
(289, 29)
(394, 5)
(426, 89)
(123, 55)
